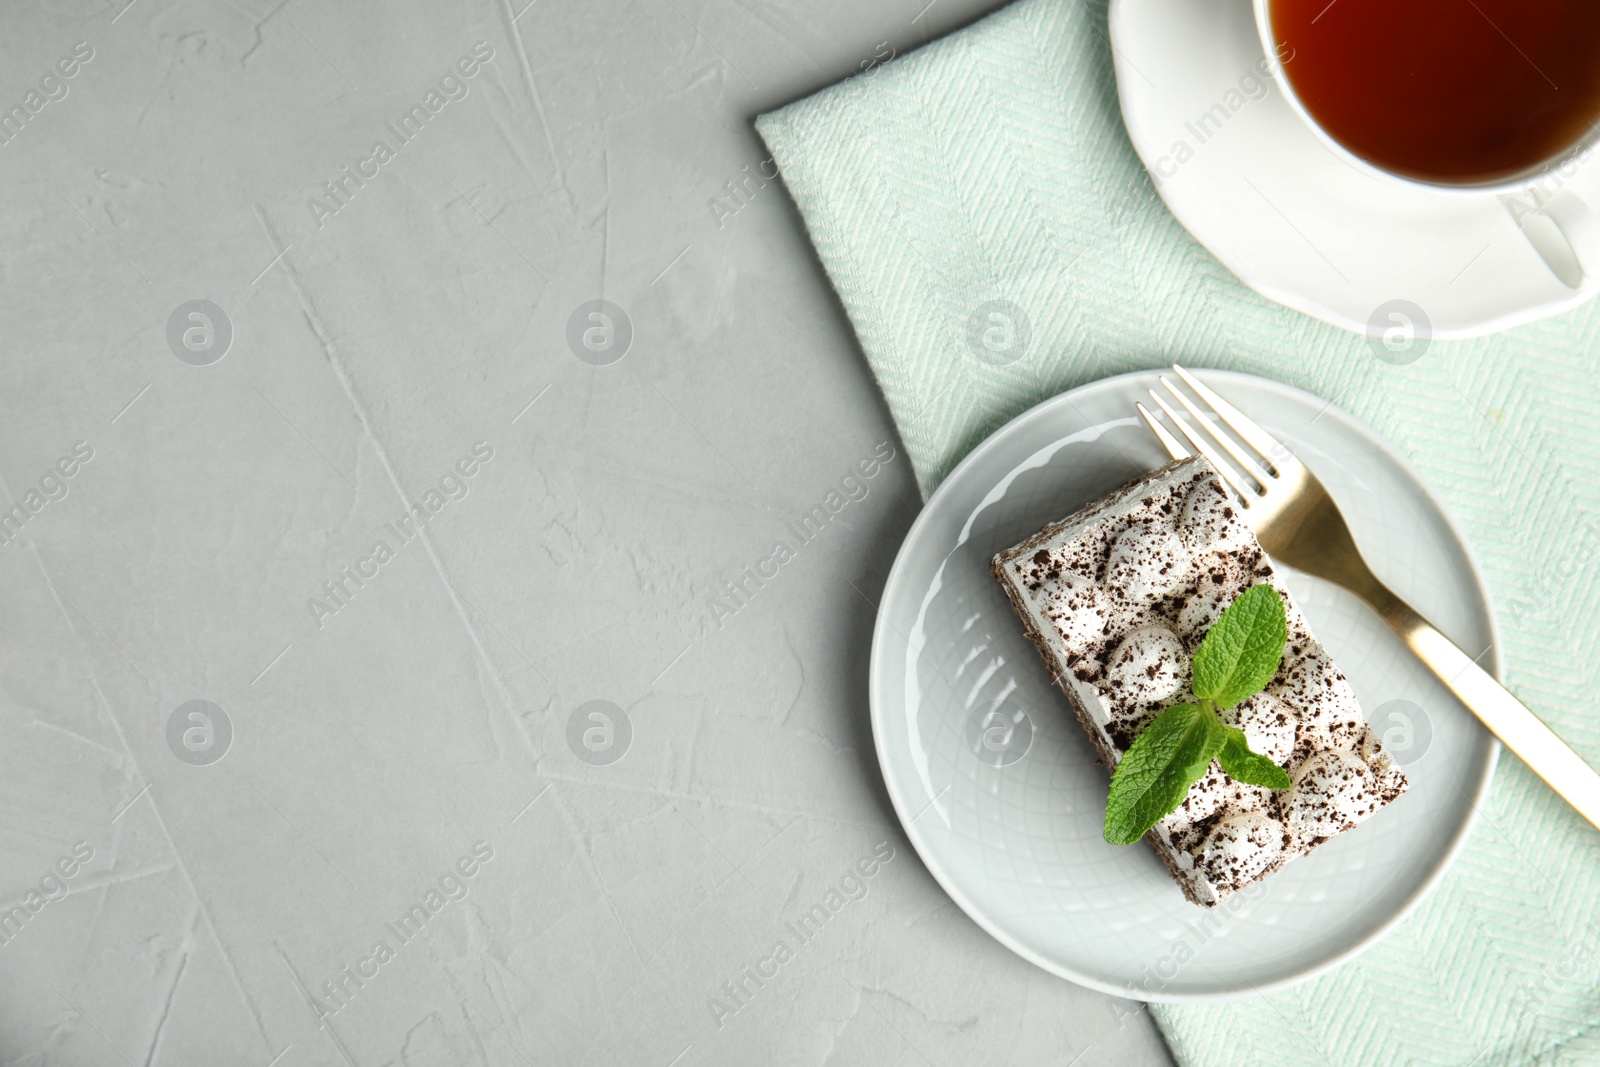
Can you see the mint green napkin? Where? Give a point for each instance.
(989, 173)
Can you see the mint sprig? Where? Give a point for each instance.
(1159, 767)
(1243, 765)
(1238, 657)
(1242, 651)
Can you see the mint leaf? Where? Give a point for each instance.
(1156, 772)
(1243, 649)
(1251, 768)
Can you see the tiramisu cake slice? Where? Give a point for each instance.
(1119, 596)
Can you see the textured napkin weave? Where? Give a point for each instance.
(992, 166)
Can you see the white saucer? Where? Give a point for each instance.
(1012, 832)
(1292, 220)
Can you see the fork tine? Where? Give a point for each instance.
(1249, 466)
(1169, 442)
(1278, 457)
(1229, 475)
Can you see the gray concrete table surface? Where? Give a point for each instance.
(324, 539)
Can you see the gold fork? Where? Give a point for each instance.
(1298, 524)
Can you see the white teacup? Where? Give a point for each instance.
(1559, 225)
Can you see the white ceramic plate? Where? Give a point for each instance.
(1012, 831)
(1295, 222)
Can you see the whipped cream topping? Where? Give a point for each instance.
(1078, 608)
(1203, 608)
(1206, 798)
(1130, 586)
(1332, 791)
(1209, 522)
(1148, 666)
(1323, 700)
(1270, 727)
(1391, 779)
(1147, 562)
(1241, 848)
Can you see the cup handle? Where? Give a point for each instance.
(1565, 232)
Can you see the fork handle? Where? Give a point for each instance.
(1508, 718)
